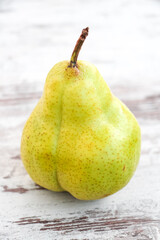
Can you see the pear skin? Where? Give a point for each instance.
(80, 138)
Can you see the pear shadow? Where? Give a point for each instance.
(65, 200)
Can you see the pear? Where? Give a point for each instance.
(80, 138)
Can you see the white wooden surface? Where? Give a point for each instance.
(124, 43)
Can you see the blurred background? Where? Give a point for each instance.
(123, 41)
(124, 44)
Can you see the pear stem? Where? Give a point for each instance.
(77, 48)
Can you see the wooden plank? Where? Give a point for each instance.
(124, 44)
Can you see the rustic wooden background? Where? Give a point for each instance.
(124, 43)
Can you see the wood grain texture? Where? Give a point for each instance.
(124, 44)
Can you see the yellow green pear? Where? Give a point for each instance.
(80, 138)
